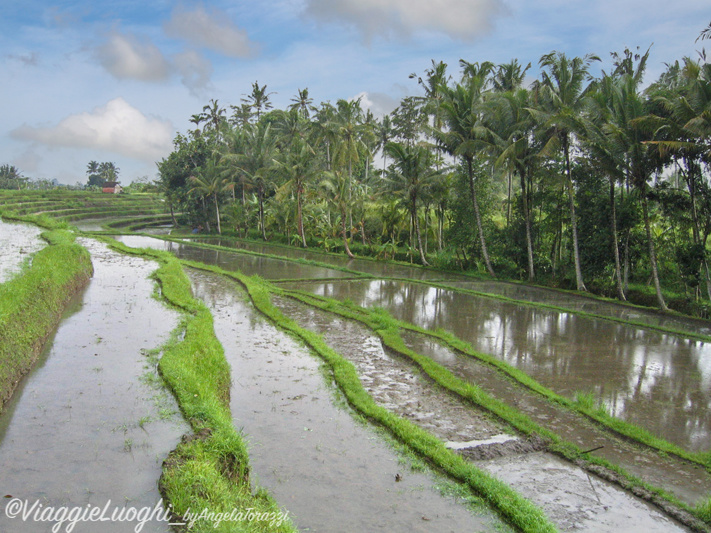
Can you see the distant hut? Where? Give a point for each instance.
(112, 187)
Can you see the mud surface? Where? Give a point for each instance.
(266, 267)
(84, 428)
(331, 473)
(657, 381)
(573, 500)
(17, 243)
(689, 482)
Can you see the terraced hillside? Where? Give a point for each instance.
(88, 210)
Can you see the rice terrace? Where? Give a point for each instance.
(489, 310)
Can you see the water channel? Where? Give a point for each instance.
(657, 380)
(87, 427)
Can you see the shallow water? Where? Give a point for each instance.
(574, 500)
(689, 482)
(17, 243)
(524, 293)
(658, 381)
(266, 267)
(330, 472)
(83, 428)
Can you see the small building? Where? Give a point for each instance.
(112, 187)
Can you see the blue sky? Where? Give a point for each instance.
(115, 81)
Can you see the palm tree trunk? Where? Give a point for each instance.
(652, 254)
(477, 216)
(260, 194)
(527, 222)
(343, 234)
(417, 231)
(573, 220)
(217, 213)
(615, 247)
(300, 216)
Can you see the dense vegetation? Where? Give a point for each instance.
(580, 181)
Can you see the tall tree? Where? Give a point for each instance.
(299, 166)
(412, 171)
(303, 103)
(258, 99)
(564, 85)
(461, 109)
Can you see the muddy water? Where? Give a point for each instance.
(331, 473)
(17, 243)
(688, 482)
(84, 428)
(265, 267)
(516, 291)
(660, 382)
(572, 499)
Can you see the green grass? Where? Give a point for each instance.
(32, 303)
(515, 509)
(209, 470)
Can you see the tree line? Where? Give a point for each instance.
(592, 182)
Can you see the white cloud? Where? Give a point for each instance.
(466, 20)
(380, 104)
(115, 127)
(125, 56)
(195, 71)
(209, 30)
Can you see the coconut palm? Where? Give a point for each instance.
(303, 103)
(563, 87)
(258, 99)
(256, 162)
(298, 166)
(349, 129)
(462, 137)
(509, 140)
(335, 185)
(411, 172)
(208, 182)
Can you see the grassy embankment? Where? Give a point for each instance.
(511, 506)
(210, 469)
(387, 328)
(32, 303)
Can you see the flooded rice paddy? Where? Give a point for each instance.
(330, 472)
(305, 450)
(87, 426)
(17, 243)
(573, 499)
(659, 381)
(656, 380)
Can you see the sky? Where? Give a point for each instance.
(116, 81)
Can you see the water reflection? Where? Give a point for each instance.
(266, 267)
(655, 380)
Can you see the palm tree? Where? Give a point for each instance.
(258, 99)
(256, 162)
(348, 126)
(214, 117)
(207, 183)
(563, 92)
(298, 166)
(335, 184)
(412, 170)
(462, 138)
(510, 141)
(685, 123)
(303, 103)
(509, 76)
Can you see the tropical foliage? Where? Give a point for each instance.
(583, 178)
